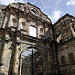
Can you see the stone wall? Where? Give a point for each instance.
(2, 14)
(64, 35)
(15, 34)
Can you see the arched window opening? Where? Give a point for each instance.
(63, 61)
(23, 25)
(41, 31)
(32, 31)
(15, 22)
(71, 58)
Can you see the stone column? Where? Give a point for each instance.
(19, 22)
(20, 65)
(6, 18)
(44, 66)
(16, 58)
(6, 56)
(10, 22)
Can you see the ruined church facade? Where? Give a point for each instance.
(54, 43)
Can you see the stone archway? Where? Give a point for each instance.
(15, 47)
(43, 53)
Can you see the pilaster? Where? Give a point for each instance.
(6, 55)
(16, 57)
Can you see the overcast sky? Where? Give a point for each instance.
(53, 8)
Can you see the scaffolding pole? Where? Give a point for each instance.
(32, 63)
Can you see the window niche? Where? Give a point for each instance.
(71, 58)
(63, 61)
(32, 31)
(15, 22)
(23, 25)
(41, 31)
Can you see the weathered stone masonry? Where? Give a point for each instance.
(15, 35)
(55, 43)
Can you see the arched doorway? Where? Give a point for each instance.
(32, 62)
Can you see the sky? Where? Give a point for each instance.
(54, 9)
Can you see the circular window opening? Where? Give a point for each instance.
(33, 11)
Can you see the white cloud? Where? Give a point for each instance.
(56, 14)
(20, 1)
(6, 2)
(71, 2)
